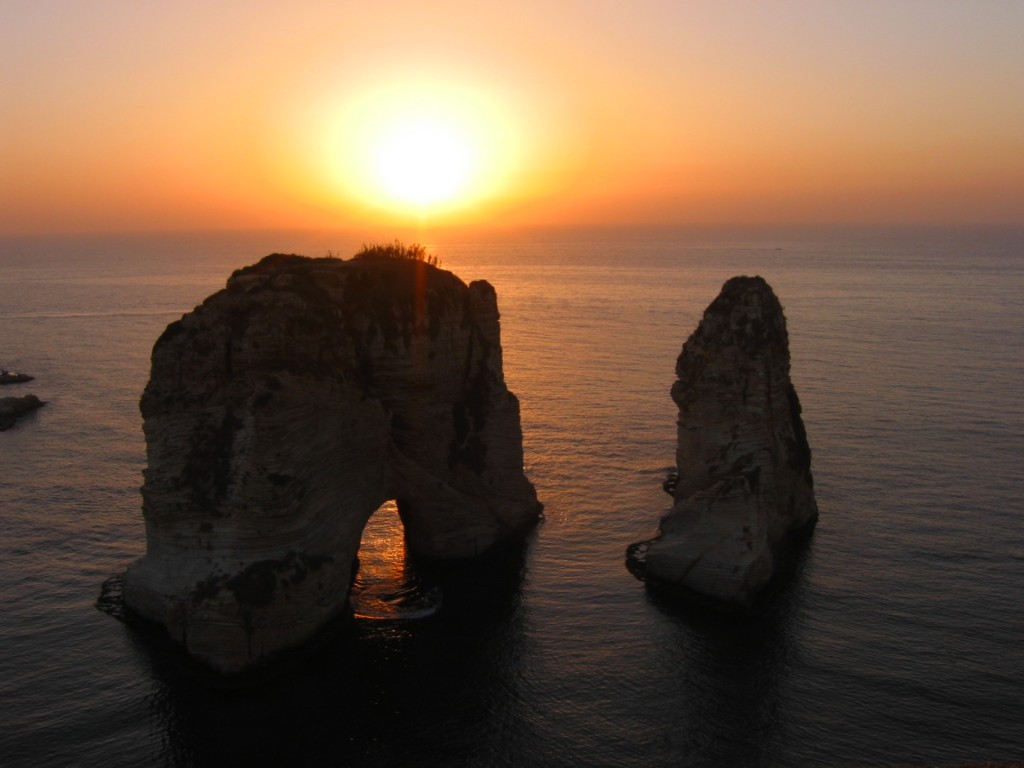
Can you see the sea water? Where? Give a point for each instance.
(899, 640)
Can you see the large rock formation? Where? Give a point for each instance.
(744, 495)
(283, 411)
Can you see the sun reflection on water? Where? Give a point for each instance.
(387, 585)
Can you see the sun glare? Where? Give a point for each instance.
(420, 149)
(423, 161)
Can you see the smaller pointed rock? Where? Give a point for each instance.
(744, 495)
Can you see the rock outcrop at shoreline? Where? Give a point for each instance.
(13, 408)
(744, 495)
(13, 377)
(283, 411)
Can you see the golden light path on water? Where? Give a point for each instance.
(387, 586)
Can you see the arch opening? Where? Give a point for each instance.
(387, 585)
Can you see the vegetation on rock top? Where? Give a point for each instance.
(397, 250)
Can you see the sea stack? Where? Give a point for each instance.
(744, 496)
(283, 411)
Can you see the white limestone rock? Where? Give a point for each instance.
(283, 411)
(744, 497)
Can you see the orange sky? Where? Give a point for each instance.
(144, 116)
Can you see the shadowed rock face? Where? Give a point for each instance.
(283, 411)
(745, 492)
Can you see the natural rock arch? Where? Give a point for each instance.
(283, 411)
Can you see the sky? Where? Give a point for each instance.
(206, 115)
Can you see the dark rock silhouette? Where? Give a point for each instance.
(744, 492)
(13, 408)
(13, 377)
(283, 411)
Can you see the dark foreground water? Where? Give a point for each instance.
(899, 641)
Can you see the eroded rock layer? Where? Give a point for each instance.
(745, 492)
(283, 411)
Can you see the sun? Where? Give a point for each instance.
(421, 148)
(423, 160)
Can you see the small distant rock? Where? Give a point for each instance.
(13, 377)
(13, 408)
(743, 493)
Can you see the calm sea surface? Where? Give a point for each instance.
(901, 639)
